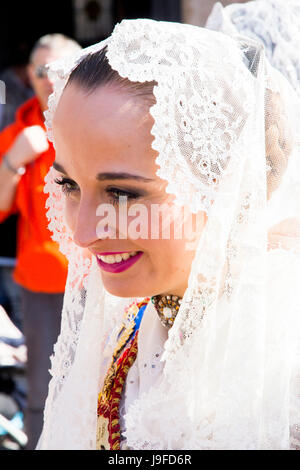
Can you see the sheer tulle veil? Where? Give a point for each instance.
(226, 130)
(273, 23)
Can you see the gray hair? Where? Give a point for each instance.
(55, 42)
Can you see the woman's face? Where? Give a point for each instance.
(103, 152)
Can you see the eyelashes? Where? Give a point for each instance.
(114, 194)
(67, 186)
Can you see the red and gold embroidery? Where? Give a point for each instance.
(108, 425)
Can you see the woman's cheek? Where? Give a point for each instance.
(71, 214)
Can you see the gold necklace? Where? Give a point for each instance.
(167, 307)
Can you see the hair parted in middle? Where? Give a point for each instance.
(95, 71)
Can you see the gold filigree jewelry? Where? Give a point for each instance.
(167, 307)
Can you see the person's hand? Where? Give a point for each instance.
(29, 144)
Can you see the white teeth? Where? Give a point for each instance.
(110, 259)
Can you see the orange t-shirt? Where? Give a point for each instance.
(40, 265)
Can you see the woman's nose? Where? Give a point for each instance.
(92, 225)
(84, 227)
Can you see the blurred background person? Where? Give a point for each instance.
(26, 156)
(18, 89)
(17, 84)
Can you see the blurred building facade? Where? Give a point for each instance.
(196, 12)
(87, 21)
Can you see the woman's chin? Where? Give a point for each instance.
(124, 289)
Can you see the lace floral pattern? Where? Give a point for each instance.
(195, 116)
(273, 23)
(238, 323)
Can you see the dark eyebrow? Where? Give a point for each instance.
(108, 176)
(59, 168)
(121, 176)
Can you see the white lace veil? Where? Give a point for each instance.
(226, 135)
(274, 23)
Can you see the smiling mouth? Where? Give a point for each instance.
(118, 262)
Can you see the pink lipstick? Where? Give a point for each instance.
(120, 266)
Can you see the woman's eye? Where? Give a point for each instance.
(117, 196)
(68, 186)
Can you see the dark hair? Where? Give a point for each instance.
(94, 71)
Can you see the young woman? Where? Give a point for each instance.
(175, 196)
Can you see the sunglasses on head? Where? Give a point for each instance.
(41, 71)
